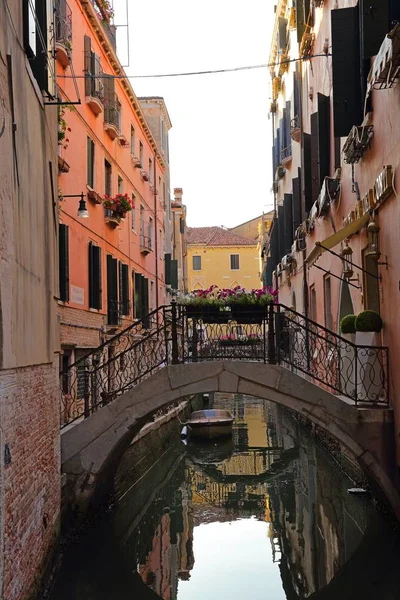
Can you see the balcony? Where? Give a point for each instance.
(295, 132)
(358, 141)
(63, 32)
(94, 196)
(63, 166)
(112, 116)
(144, 175)
(386, 68)
(286, 155)
(112, 217)
(94, 87)
(307, 45)
(146, 244)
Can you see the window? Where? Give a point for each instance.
(112, 291)
(162, 133)
(133, 141)
(167, 268)
(63, 244)
(152, 296)
(90, 162)
(95, 292)
(120, 185)
(150, 170)
(313, 304)
(141, 225)
(124, 288)
(133, 213)
(107, 178)
(160, 190)
(328, 302)
(141, 154)
(141, 297)
(94, 82)
(150, 233)
(196, 263)
(235, 262)
(36, 20)
(371, 283)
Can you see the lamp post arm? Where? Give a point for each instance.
(356, 266)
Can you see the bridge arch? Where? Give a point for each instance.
(88, 446)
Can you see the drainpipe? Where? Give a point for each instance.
(155, 224)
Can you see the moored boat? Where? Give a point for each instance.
(210, 424)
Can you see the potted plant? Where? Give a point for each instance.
(348, 327)
(120, 205)
(249, 306)
(206, 305)
(369, 376)
(347, 354)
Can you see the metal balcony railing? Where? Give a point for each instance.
(177, 334)
(94, 85)
(63, 24)
(112, 111)
(146, 243)
(286, 154)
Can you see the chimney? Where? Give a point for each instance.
(178, 195)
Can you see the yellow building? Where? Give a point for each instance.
(218, 256)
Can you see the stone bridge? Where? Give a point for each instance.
(92, 447)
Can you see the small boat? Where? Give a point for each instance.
(210, 424)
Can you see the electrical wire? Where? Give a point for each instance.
(209, 72)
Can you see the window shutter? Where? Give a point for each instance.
(145, 301)
(296, 92)
(297, 201)
(281, 233)
(315, 184)
(91, 275)
(278, 147)
(97, 277)
(300, 20)
(374, 25)
(324, 137)
(269, 268)
(281, 138)
(347, 105)
(125, 289)
(287, 123)
(64, 262)
(112, 290)
(174, 274)
(87, 46)
(167, 268)
(282, 33)
(182, 226)
(287, 223)
(138, 296)
(274, 245)
(306, 161)
(90, 162)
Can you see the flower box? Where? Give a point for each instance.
(248, 313)
(207, 314)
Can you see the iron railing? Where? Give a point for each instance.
(177, 334)
(286, 153)
(112, 111)
(63, 24)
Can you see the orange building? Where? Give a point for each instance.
(111, 263)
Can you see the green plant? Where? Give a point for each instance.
(369, 320)
(63, 128)
(347, 324)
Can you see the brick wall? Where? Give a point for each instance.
(30, 411)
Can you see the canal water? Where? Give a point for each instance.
(263, 516)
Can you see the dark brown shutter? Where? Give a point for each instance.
(145, 301)
(296, 92)
(306, 162)
(97, 287)
(315, 183)
(297, 201)
(87, 51)
(281, 220)
(91, 276)
(374, 25)
(167, 268)
(138, 295)
(124, 288)
(64, 262)
(274, 243)
(282, 33)
(287, 223)
(112, 290)
(347, 104)
(90, 162)
(300, 26)
(324, 137)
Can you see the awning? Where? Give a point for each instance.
(336, 238)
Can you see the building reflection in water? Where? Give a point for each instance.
(272, 471)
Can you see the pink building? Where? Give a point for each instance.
(336, 114)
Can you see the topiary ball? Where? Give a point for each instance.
(347, 324)
(369, 320)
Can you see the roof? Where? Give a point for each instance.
(161, 102)
(216, 236)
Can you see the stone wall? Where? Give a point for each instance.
(31, 480)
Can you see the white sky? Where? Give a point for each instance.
(220, 142)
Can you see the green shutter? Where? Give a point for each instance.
(63, 262)
(167, 267)
(174, 274)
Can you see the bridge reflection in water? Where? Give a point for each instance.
(320, 542)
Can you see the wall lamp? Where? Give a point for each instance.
(82, 210)
(373, 251)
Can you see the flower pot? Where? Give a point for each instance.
(348, 364)
(248, 313)
(370, 384)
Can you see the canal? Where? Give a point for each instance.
(264, 516)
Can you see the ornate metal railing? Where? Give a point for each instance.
(63, 24)
(177, 334)
(112, 111)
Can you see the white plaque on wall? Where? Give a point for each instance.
(77, 295)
